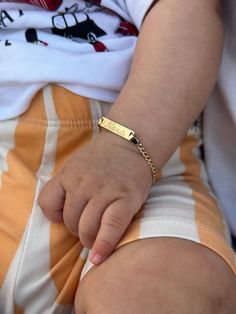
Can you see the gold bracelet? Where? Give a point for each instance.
(129, 135)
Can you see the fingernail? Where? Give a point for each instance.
(96, 258)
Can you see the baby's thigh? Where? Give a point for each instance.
(159, 275)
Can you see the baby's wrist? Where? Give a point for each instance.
(130, 136)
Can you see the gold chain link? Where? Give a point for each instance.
(148, 159)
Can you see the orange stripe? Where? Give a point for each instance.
(209, 220)
(76, 129)
(76, 122)
(18, 182)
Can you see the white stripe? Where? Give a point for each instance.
(98, 109)
(48, 161)
(7, 143)
(170, 205)
(35, 290)
(169, 228)
(96, 113)
(7, 291)
(169, 210)
(174, 166)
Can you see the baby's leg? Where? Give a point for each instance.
(175, 257)
(161, 275)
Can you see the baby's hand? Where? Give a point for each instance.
(97, 192)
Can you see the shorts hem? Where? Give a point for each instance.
(211, 239)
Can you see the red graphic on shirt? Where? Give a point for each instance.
(99, 46)
(46, 4)
(127, 29)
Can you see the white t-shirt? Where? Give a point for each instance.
(220, 123)
(84, 46)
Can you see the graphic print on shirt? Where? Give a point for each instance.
(6, 19)
(76, 21)
(68, 25)
(30, 44)
(32, 37)
(127, 29)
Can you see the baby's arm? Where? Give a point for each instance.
(102, 186)
(173, 71)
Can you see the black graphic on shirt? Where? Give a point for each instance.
(73, 9)
(6, 42)
(89, 7)
(6, 18)
(32, 37)
(68, 26)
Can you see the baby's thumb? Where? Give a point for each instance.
(51, 200)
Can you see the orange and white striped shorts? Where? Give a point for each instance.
(41, 263)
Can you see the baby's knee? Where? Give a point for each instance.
(159, 276)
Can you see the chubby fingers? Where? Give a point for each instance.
(114, 223)
(60, 205)
(51, 200)
(100, 221)
(73, 208)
